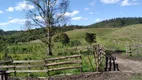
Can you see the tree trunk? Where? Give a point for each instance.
(49, 47)
(49, 41)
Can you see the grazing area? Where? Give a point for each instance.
(110, 38)
(70, 40)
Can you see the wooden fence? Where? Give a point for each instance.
(47, 65)
(101, 56)
(133, 49)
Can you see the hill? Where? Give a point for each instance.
(111, 38)
(79, 34)
(119, 38)
(131, 32)
(104, 27)
(118, 22)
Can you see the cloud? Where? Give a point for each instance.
(1, 12)
(71, 14)
(3, 24)
(21, 6)
(17, 21)
(86, 9)
(93, 3)
(9, 17)
(79, 18)
(14, 21)
(98, 20)
(128, 3)
(109, 1)
(91, 13)
(39, 18)
(10, 9)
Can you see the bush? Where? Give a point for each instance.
(74, 43)
(90, 38)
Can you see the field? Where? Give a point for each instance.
(111, 38)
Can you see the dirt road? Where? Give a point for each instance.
(129, 65)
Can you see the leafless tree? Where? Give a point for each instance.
(46, 14)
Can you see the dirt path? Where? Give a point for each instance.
(129, 65)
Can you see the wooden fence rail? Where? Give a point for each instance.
(100, 56)
(47, 65)
(133, 49)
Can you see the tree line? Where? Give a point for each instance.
(14, 37)
(118, 22)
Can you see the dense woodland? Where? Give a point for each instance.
(13, 37)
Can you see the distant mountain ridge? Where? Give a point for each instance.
(118, 22)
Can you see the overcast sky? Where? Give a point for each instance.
(82, 12)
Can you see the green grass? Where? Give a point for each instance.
(79, 34)
(136, 77)
(110, 38)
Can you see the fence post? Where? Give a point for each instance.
(110, 64)
(114, 66)
(95, 53)
(46, 62)
(81, 61)
(29, 74)
(106, 63)
(3, 75)
(14, 70)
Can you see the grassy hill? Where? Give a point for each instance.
(111, 38)
(128, 33)
(79, 34)
(118, 22)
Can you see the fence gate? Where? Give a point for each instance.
(46, 66)
(101, 57)
(3, 75)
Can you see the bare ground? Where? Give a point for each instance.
(99, 76)
(129, 65)
(128, 69)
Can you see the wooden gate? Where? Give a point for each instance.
(36, 66)
(102, 58)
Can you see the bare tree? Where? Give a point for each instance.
(46, 14)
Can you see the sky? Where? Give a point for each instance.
(81, 12)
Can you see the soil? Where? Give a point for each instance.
(128, 64)
(128, 69)
(98, 76)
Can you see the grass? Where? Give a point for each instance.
(79, 34)
(110, 38)
(136, 77)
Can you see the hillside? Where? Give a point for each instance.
(131, 32)
(118, 22)
(111, 38)
(79, 34)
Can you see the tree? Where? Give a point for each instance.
(90, 38)
(48, 13)
(3, 47)
(62, 37)
(2, 44)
